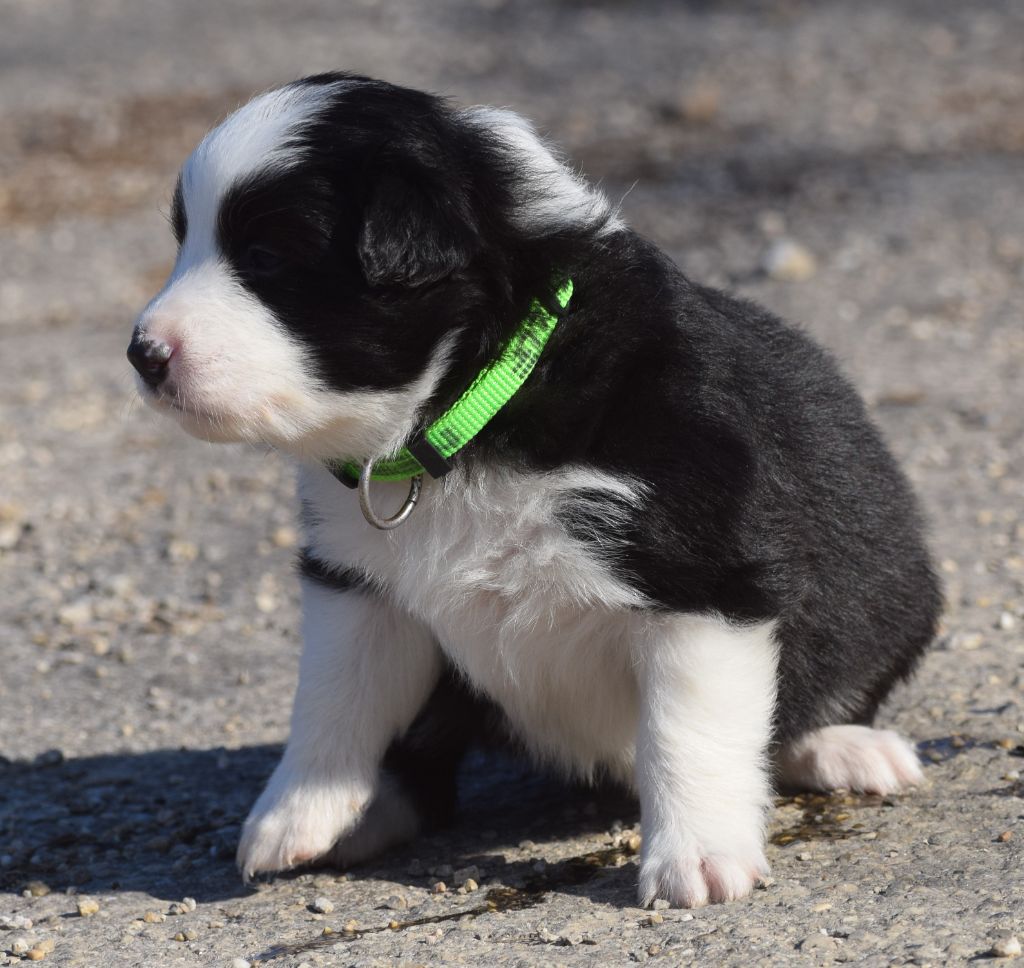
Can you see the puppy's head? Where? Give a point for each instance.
(343, 244)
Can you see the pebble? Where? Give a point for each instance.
(396, 902)
(87, 907)
(653, 919)
(470, 885)
(1008, 947)
(322, 905)
(660, 904)
(185, 906)
(634, 843)
(440, 887)
(35, 954)
(1005, 837)
(36, 889)
(240, 963)
(284, 537)
(19, 946)
(153, 917)
(819, 943)
(1007, 622)
(15, 922)
(789, 261)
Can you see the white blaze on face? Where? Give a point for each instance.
(235, 373)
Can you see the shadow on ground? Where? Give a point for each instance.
(166, 823)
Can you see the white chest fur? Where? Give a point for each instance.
(531, 615)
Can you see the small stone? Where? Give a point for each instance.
(470, 886)
(351, 927)
(1007, 622)
(440, 887)
(1008, 947)
(653, 919)
(634, 843)
(1005, 837)
(322, 905)
(240, 963)
(180, 936)
(154, 917)
(789, 261)
(35, 954)
(660, 904)
(36, 889)
(822, 907)
(19, 946)
(15, 922)
(818, 942)
(76, 615)
(803, 855)
(393, 925)
(284, 537)
(87, 907)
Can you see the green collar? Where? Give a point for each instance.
(493, 387)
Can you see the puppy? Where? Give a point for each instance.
(675, 553)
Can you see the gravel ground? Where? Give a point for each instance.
(856, 167)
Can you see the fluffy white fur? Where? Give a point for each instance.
(367, 668)
(551, 195)
(708, 690)
(850, 758)
(535, 620)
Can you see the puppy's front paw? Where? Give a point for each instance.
(688, 876)
(296, 822)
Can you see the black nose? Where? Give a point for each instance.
(150, 358)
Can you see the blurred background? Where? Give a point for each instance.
(857, 167)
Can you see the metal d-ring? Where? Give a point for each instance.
(365, 505)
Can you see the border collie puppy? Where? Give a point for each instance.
(678, 555)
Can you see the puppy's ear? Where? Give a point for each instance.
(412, 234)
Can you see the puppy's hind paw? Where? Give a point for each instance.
(852, 758)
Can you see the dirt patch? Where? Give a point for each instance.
(104, 161)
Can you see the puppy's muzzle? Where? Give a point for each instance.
(150, 358)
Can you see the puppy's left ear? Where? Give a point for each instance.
(412, 233)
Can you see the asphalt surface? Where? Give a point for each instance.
(859, 168)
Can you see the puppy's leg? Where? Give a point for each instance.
(852, 758)
(367, 668)
(707, 694)
(418, 788)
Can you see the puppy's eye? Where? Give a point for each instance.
(263, 260)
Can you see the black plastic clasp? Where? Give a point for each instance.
(339, 472)
(434, 463)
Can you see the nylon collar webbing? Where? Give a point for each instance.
(493, 387)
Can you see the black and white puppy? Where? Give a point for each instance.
(681, 555)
